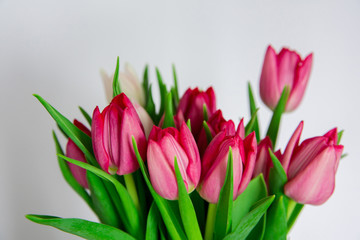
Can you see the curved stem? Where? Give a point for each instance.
(210, 221)
(131, 187)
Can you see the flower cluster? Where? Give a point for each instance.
(189, 147)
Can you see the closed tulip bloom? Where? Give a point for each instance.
(191, 107)
(215, 160)
(312, 167)
(145, 119)
(129, 84)
(112, 132)
(263, 161)
(216, 124)
(72, 151)
(284, 69)
(164, 145)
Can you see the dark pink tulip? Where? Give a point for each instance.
(111, 136)
(216, 124)
(284, 69)
(164, 145)
(214, 164)
(191, 107)
(263, 161)
(312, 166)
(72, 151)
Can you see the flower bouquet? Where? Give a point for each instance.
(185, 172)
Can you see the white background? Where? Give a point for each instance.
(56, 48)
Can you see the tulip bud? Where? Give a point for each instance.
(145, 119)
(263, 161)
(112, 132)
(129, 83)
(72, 151)
(164, 145)
(191, 105)
(215, 160)
(216, 124)
(312, 167)
(280, 70)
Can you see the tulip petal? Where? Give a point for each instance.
(241, 129)
(263, 161)
(314, 184)
(97, 131)
(211, 101)
(144, 118)
(293, 142)
(287, 62)
(72, 151)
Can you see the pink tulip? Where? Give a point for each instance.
(164, 145)
(263, 161)
(284, 69)
(111, 136)
(215, 160)
(312, 166)
(216, 124)
(191, 107)
(72, 151)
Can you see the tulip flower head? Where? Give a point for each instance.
(263, 161)
(72, 151)
(129, 83)
(284, 69)
(312, 166)
(215, 160)
(164, 145)
(191, 106)
(112, 132)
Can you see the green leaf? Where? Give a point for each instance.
(102, 202)
(132, 215)
(277, 175)
(250, 127)
(116, 83)
(339, 136)
(255, 191)
(295, 213)
(82, 228)
(150, 106)
(253, 111)
(168, 216)
(176, 88)
(276, 227)
(163, 92)
(169, 115)
(86, 115)
(188, 123)
(248, 222)
(69, 178)
(273, 129)
(205, 113)
(209, 136)
(81, 140)
(187, 211)
(223, 219)
(199, 205)
(152, 223)
(145, 83)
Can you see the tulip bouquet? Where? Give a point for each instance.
(185, 172)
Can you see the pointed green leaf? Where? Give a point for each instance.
(276, 227)
(169, 113)
(152, 223)
(209, 136)
(81, 228)
(295, 213)
(150, 107)
(116, 82)
(188, 123)
(277, 175)
(199, 206)
(205, 113)
(250, 127)
(186, 208)
(223, 219)
(273, 129)
(176, 87)
(252, 112)
(170, 220)
(145, 83)
(131, 213)
(163, 92)
(65, 170)
(248, 222)
(339, 136)
(81, 140)
(86, 115)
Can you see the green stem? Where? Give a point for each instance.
(290, 208)
(131, 187)
(210, 221)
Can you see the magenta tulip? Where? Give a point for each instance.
(191, 107)
(72, 151)
(263, 161)
(284, 69)
(216, 124)
(311, 167)
(164, 145)
(112, 132)
(215, 160)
